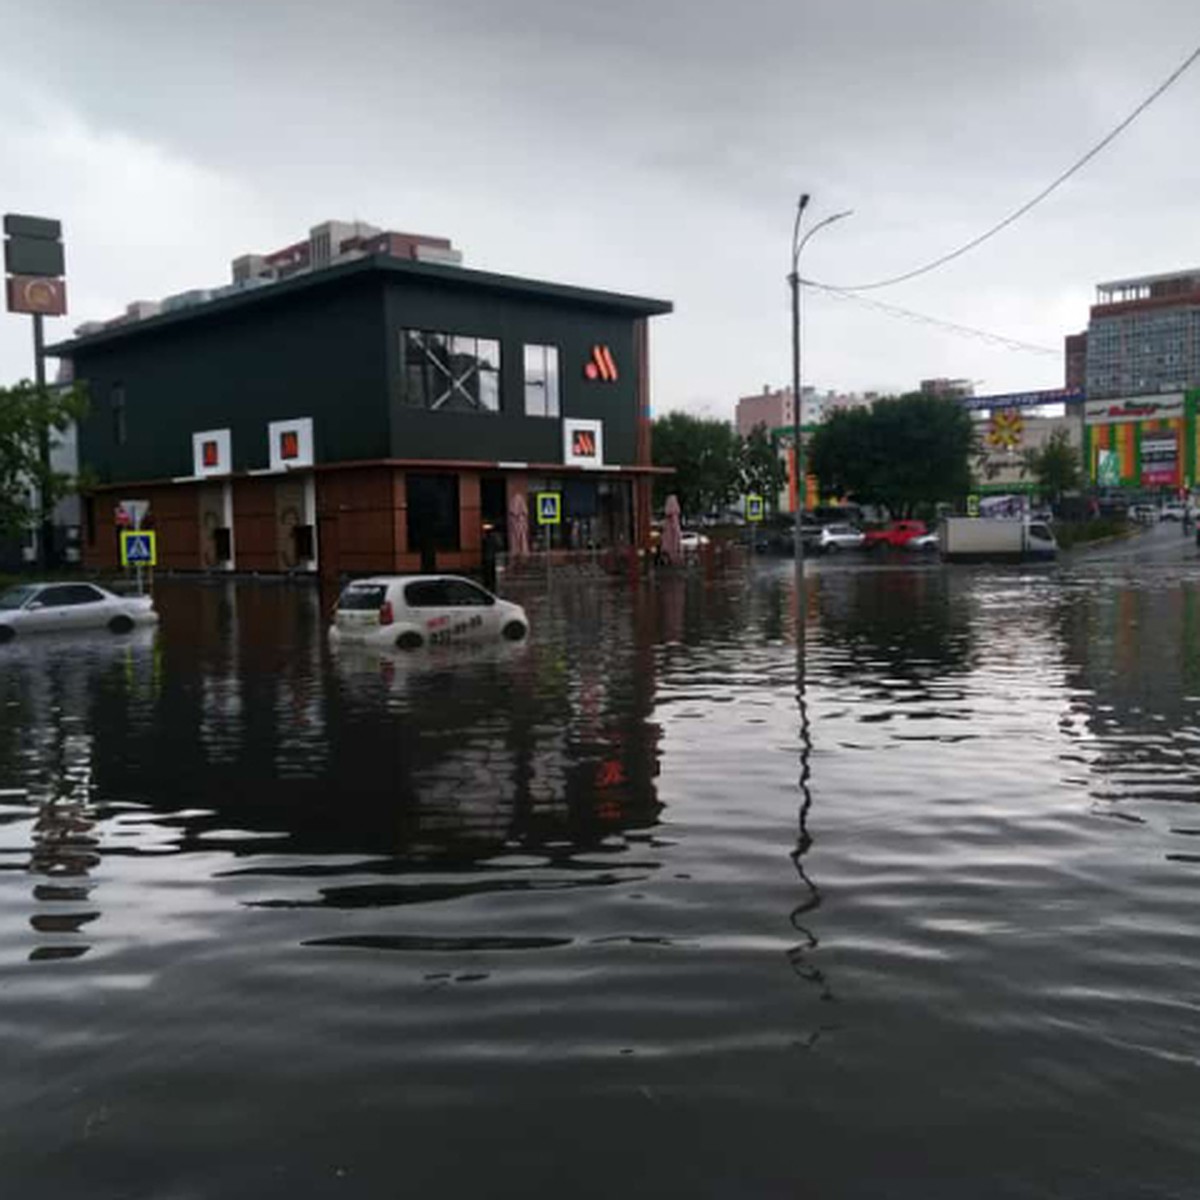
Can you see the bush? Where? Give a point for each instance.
(1078, 533)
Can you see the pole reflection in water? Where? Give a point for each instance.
(799, 954)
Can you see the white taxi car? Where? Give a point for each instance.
(411, 611)
(30, 608)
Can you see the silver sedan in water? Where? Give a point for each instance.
(34, 608)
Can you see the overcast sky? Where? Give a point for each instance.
(651, 146)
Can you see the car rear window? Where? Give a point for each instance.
(362, 598)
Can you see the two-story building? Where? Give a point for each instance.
(367, 417)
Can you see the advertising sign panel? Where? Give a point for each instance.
(1133, 408)
(33, 294)
(1108, 468)
(1022, 399)
(1160, 459)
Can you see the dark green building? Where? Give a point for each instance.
(367, 416)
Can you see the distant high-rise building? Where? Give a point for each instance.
(951, 389)
(1144, 336)
(773, 409)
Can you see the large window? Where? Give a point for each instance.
(432, 512)
(450, 372)
(541, 381)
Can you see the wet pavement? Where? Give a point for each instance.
(621, 911)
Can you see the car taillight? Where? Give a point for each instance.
(386, 615)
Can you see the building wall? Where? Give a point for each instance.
(772, 409)
(1001, 468)
(318, 354)
(510, 435)
(1075, 361)
(1143, 347)
(1127, 440)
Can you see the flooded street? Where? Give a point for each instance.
(620, 911)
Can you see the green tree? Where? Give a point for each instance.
(1056, 466)
(28, 415)
(901, 453)
(706, 456)
(763, 472)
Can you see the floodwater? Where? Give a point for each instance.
(620, 912)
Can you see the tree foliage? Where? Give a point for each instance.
(706, 455)
(28, 414)
(763, 472)
(1056, 466)
(901, 453)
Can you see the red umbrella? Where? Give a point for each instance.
(518, 527)
(672, 534)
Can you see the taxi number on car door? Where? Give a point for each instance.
(443, 630)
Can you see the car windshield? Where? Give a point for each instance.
(360, 597)
(15, 597)
(840, 530)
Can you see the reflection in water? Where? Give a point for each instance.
(800, 955)
(571, 887)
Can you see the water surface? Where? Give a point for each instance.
(624, 911)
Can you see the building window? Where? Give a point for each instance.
(116, 399)
(450, 372)
(541, 381)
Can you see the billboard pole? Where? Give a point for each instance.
(35, 268)
(46, 533)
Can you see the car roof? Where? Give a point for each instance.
(49, 583)
(388, 580)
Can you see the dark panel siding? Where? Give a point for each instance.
(317, 354)
(515, 321)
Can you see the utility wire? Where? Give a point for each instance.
(894, 310)
(1105, 141)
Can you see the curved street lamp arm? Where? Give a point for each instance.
(817, 227)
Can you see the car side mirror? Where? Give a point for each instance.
(34, 604)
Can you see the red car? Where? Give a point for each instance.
(895, 534)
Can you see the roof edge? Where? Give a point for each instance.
(460, 277)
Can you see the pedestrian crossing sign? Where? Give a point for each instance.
(549, 508)
(139, 548)
(754, 508)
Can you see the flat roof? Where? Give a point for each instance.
(1139, 280)
(453, 277)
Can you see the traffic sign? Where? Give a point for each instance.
(549, 508)
(972, 505)
(139, 548)
(754, 508)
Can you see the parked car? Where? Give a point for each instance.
(1174, 510)
(923, 542)
(895, 534)
(778, 536)
(1144, 514)
(691, 541)
(840, 537)
(33, 608)
(411, 611)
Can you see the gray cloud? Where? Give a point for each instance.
(654, 146)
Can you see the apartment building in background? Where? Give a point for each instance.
(1143, 337)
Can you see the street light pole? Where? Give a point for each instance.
(798, 244)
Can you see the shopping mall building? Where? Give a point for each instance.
(368, 413)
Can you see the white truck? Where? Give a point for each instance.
(984, 539)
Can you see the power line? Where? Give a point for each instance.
(1105, 141)
(894, 310)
